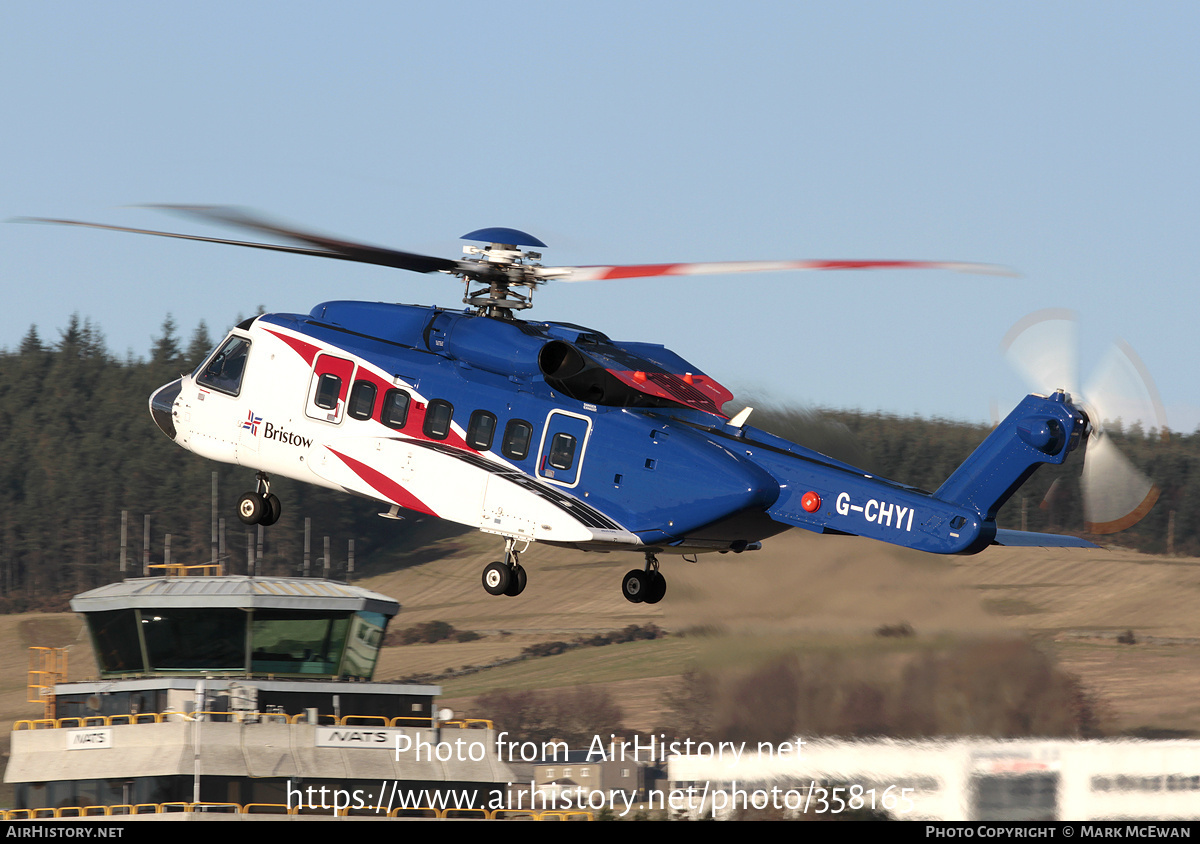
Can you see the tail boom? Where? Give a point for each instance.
(960, 517)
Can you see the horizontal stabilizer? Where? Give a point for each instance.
(1030, 539)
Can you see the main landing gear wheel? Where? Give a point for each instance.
(506, 578)
(517, 584)
(644, 587)
(496, 578)
(635, 586)
(657, 588)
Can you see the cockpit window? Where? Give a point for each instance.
(224, 370)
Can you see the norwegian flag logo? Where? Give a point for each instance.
(252, 422)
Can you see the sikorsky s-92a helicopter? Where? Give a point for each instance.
(552, 432)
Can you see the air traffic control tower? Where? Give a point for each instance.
(248, 694)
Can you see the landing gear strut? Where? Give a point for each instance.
(262, 506)
(644, 586)
(508, 577)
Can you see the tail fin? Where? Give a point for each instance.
(1040, 430)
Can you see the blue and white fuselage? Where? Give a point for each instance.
(553, 433)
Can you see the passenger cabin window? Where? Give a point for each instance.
(437, 419)
(395, 408)
(562, 451)
(225, 369)
(362, 400)
(329, 387)
(481, 430)
(328, 392)
(516, 439)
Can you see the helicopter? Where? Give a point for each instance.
(552, 432)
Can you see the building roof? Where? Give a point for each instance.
(299, 593)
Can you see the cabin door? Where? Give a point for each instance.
(327, 391)
(564, 440)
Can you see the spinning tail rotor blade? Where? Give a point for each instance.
(1121, 389)
(1116, 495)
(1052, 494)
(1042, 347)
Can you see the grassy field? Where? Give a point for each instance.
(801, 594)
(806, 593)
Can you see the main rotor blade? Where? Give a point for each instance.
(241, 218)
(597, 273)
(337, 249)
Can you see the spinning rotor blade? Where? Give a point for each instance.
(1116, 494)
(1044, 348)
(330, 248)
(1122, 390)
(502, 271)
(730, 267)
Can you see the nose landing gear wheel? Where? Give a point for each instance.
(274, 510)
(257, 509)
(252, 507)
(260, 507)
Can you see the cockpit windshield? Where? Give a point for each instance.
(224, 370)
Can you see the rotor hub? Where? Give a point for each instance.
(502, 266)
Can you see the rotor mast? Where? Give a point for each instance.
(504, 268)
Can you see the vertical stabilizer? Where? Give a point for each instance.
(1040, 430)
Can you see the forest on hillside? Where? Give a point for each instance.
(78, 446)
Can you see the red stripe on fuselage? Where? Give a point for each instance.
(384, 485)
(306, 350)
(414, 426)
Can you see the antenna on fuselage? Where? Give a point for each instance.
(740, 420)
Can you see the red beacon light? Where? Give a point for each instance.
(811, 502)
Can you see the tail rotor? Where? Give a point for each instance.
(1043, 347)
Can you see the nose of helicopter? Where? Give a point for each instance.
(162, 402)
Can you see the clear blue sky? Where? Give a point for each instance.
(1058, 138)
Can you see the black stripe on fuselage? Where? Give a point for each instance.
(589, 516)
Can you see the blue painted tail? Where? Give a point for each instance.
(1040, 430)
